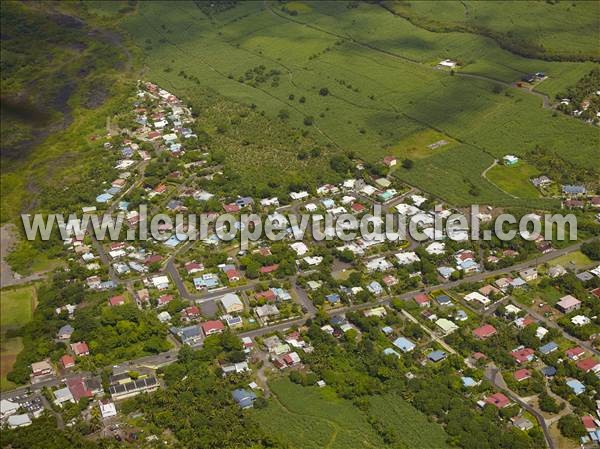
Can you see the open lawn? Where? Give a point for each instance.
(309, 417)
(383, 94)
(515, 179)
(16, 306)
(574, 260)
(9, 349)
(16, 310)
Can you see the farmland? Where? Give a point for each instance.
(317, 418)
(383, 93)
(16, 310)
(515, 179)
(537, 28)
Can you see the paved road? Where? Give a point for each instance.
(494, 375)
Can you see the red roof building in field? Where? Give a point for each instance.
(485, 331)
(498, 400)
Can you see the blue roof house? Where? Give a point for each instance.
(244, 398)
(436, 356)
(468, 382)
(548, 348)
(576, 386)
(443, 300)
(404, 344)
(390, 351)
(333, 298)
(375, 288)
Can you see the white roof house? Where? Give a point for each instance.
(7, 408)
(107, 409)
(160, 282)
(476, 296)
(300, 248)
(446, 326)
(436, 248)
(15, 421)
(448, 63)
(299, 195)
(407, 258)
(232, 303)
(378, 264)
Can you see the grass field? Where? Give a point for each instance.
(384, 94)
(315, 418)
(16, 310)
(572, 260)
(515, 179)
(554, 28)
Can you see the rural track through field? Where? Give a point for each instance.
(545, 98)
(484, 176)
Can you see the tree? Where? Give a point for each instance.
(571, 426)
(324, 92)
(408, 164)
(592, 249)
(548, 403)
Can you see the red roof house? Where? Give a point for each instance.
(67, 361)
(423, 300)
(575, 353)
(233, 275)
(589, 423)
(498, 400)
(231, 208)
(269, 268)
(212, 327)
(588, 365)
(78, 388)
(357, 207)
(80, 348)
(192, 312)
(116, 301)
(267, 295)
(523, 355)
(485, 331)
(522, 374)
(164, 300)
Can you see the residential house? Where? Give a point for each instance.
(436, 356)
(42, 368)
(522, 374)
(116, 301)
(548, 348)
(80, 348)
(190, 335)
(244, 398)
(422, 300)
(568, 304)
(67, 361)
(232, 303)
(212, 327)
(498, 400)
(404, 344)
(65, 332)
(528, 274)
(523, 355)
(485, 331)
